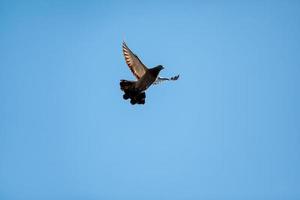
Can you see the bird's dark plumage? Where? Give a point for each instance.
(135, 90)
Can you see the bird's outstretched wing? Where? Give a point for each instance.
(134, 63)
(161, 79)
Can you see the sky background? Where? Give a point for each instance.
(228, 129)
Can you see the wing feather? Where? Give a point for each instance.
(161, 79)
(134, 63)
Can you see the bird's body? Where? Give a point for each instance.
(135, 90)
(148, 78)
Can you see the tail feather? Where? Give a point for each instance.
(135, 96)
(126, 85)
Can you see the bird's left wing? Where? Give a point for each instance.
(161, 79)
(134, 63)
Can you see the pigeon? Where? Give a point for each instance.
(135, 90)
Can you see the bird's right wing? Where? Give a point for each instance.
(161, 79)
(134, 63)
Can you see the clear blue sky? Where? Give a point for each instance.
(228, 129)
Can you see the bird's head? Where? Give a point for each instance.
(159, 67)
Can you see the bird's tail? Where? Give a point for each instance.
(126, 85)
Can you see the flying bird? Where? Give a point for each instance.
(135, 90)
